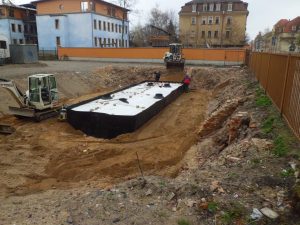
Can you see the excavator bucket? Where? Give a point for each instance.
(6, 129)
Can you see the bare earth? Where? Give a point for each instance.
(52, 174)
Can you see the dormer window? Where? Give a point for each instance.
(194, 8)
(211, 7)
(204, 7)
(84, 6)
(229, 7)
(218, 7)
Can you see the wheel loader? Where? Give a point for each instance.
(174, 58)
(39, 102)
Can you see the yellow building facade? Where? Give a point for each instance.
(213, 23)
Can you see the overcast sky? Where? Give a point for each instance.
(263, 13)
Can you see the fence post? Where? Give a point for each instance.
(268, 73)
(285, 81)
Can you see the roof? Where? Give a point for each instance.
(281, 22)
(212, 1)
(18, 6)
(101, 1)
(289, 26)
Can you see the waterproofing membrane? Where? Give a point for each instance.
(124, 110)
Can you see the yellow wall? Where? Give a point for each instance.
(192, 34)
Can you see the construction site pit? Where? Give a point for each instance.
(196, 142)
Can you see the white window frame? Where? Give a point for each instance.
(217, 17)
(210, 20)
(84, 6)
(218, 7)
(193, 20)
(194, 8)
(204, 18)
(229, 8)
(211, 7)
(204, 7)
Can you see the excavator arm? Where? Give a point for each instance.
(14, 91)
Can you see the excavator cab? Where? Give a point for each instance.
(42, 93)
(174, 58)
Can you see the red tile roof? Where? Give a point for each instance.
(289, 26)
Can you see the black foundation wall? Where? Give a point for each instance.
(103, 125)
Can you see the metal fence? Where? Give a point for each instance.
(279, 75)
(45, 54)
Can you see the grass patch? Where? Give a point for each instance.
(212, 207)
(268, 125)
(234, 213)
(281, 146)
(262, 99)
(287, 173)
(183, 222)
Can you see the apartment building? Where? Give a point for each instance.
(81, 23)
(17, 24)
(284, 37)
(213, 23)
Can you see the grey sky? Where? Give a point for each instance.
(263, 13)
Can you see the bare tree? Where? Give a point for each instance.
(126, 4)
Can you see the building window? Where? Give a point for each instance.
(11, 12)
(25, 28)
(100, 42)
(108, 41)
(3, 45)
(112, 28)
(210, 20)
(204, 7)
(120, 29)
(218, 7)
(56, 24)
(21, 41)
(209, 34)
(216, 34)
(194, 8)
(99, 24)
(104, 42)
(294, 28)
(13, 27)
(95, 24)
(84, 6)
(116, 28)
(203, 34)
(227, 34)
(108, 26)
(203, 20)
(229, 7)
(20, 28)
(217, 20)
(120, 45)
(96, 41)
(193, 20)
(104, 25)
(58, 41)
(15, 41)
(229, 20)
(211, 7)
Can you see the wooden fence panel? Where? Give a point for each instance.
(279, 75)
(276, 78)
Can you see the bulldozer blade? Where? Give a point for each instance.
(6, 129)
